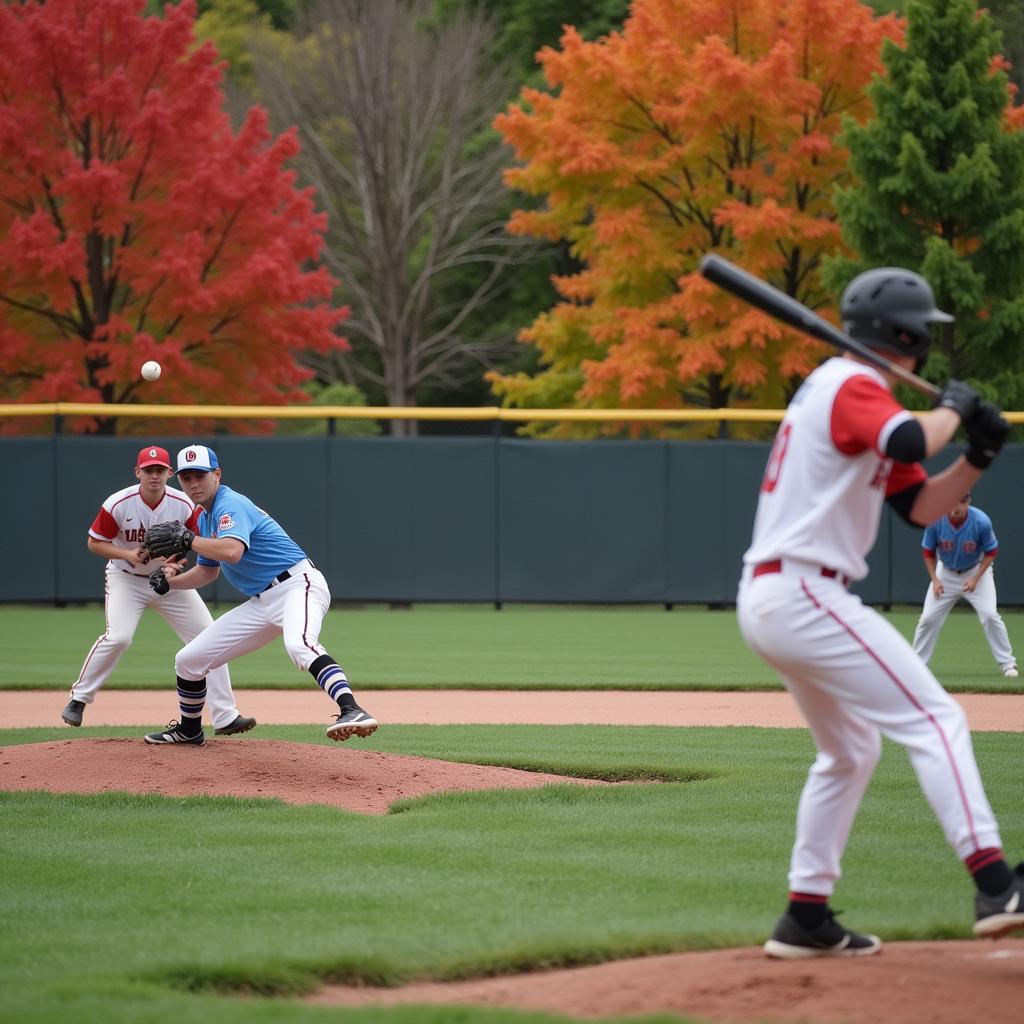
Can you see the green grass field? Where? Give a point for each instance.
(120, 908)
(446, 646)
(210, 910)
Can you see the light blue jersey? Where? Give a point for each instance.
(268, 549)
(961, 547)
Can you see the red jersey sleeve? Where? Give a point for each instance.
(104, 524)
(193, 520)
(904, 475)
(861, 409)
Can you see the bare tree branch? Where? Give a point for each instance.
(394, 114)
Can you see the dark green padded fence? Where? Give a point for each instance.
(468, 519)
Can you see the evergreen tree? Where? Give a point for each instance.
(940, 189)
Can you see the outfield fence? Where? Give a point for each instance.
(477, 519)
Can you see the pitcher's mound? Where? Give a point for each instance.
(346, 776)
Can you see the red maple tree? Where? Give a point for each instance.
(137, 224)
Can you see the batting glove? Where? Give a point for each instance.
(959, 397)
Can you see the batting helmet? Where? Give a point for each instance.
(892, 309)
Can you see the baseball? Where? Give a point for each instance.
(151, 370)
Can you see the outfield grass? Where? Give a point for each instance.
(460, 646)
(150, 908)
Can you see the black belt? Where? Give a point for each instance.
(962, 571)
(279, 578)
(282, 576)
(137, 575)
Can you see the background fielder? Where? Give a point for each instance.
(288, 597)
(117, 533)
(958, 551)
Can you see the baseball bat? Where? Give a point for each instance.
(785, 308)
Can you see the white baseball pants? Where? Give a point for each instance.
(856, 679)
(127, 596)
(294, 610)
(982, 599)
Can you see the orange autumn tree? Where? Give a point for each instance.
(137, 224)
(705, 125)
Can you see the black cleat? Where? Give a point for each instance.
(353, 721)
(995, 916)
(72, 714)
(240, 724)
(173, 734)
(791, 942)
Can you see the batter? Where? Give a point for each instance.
(117, 534)
(958, 553)
(844, 446)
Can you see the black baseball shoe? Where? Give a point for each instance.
(791, 942)
(353, 721)
(173, 734)
(240, 724)
(995, 916)
(72, 714)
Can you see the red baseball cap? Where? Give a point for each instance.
(153, 456)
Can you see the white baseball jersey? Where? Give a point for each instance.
(822, 491)
(124, 518)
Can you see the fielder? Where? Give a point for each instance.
(958, 551)
(117, 533)
(288, 597)
(844, 446)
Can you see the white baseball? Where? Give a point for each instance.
(151, 370)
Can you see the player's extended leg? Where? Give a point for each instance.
(884, 682)
(826, 637)
(983, 600)
(300, 604)
(188, 616)
(848, 751)
(934, 612)
(241, 630)
(126, 599)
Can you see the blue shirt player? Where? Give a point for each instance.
(288, 597)
(959, 550)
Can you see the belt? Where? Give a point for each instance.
(969, 568)
(767, 568)
(137, 575)
(287, 574)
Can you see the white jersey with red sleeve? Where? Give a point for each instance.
(827, 477)
(124, 518)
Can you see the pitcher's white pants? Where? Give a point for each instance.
(856, 679)
(294, 610)
(127, 596)
(982, 599)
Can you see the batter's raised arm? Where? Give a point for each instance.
(987, 432)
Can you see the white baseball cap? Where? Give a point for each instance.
(197, 456)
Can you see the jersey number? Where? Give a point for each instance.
(774, 467)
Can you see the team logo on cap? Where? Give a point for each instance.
(190, 455)
(152, 453)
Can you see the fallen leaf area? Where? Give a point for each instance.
(908, 983)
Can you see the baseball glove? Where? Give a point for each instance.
(167, 539)
(158, 581)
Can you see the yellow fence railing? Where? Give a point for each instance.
(489, 413)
